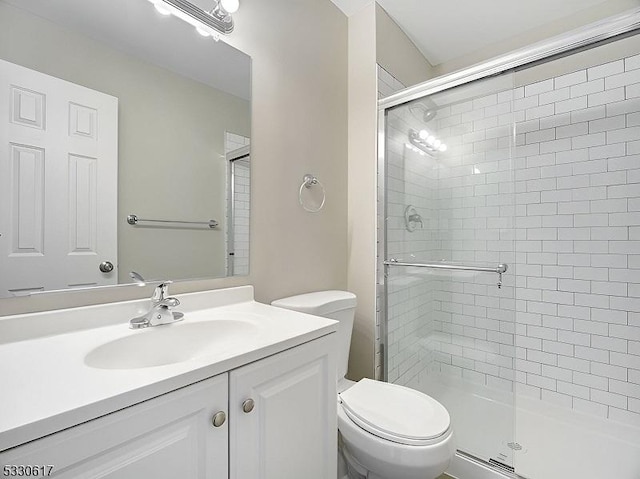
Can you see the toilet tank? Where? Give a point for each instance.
(337, 305)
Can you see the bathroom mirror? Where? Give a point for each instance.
(125, 147)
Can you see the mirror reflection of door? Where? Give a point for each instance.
(237, 148)
(177, 94)
(58, 183)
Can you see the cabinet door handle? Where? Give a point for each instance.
(218, 419)
(248, 405)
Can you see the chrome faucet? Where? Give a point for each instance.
(160, 312)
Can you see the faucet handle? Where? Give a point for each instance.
(161, 292)
(137, 278)
(170, 302)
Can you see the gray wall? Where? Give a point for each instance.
(362, 189)
(299, 125)
(397, 54)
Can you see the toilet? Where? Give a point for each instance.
(386, 431)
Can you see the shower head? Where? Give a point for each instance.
(424, 110)
(429, 115)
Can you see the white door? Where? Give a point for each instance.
(58, 183)
(291, 431)
(169, 437)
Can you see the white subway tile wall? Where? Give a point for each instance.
(242, 205)
(558, 199)
(411, 182)
(387, 85)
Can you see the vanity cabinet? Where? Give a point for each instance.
(282, 415)
(278, 422)
(167, 437)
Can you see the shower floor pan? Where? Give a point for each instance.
(538, 439)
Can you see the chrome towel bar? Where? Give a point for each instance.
(499, 270)
(136, 221)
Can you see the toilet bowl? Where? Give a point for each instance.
(386, 431)
(390, 431)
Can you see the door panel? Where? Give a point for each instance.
(58, 183)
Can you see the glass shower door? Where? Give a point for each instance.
(449, 209)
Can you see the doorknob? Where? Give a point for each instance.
(106, 267)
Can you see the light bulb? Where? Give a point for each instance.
(424, 134)
(437, 143)
(231, 6)
(443, 147)
(431, 139)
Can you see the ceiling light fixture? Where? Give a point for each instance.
(426, 142)
(208, 24)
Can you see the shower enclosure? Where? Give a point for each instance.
(238, 158)
(510, 253)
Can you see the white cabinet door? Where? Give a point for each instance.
(168, 437)
(58, 183)
(291, 432)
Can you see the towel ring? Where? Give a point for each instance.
(307, 182)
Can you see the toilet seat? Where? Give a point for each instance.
(395, 413)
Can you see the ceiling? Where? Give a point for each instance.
(446, 30)
(134, 27)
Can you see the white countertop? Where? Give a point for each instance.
(45, 385)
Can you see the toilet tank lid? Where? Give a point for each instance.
(319, 302)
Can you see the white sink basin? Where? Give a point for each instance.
(170, 344)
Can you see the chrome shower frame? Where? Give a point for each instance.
(609, 29)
